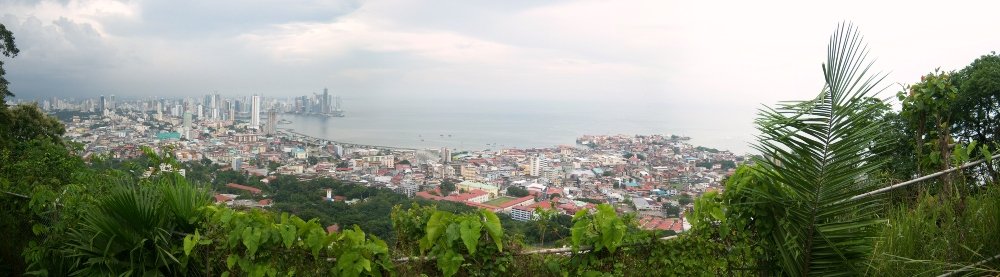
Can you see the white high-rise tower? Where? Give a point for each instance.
(255, 112)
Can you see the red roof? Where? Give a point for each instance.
(516, 201)
(466, 196)
(543, 205)
(427, 195)
(242, 187)
(655, 223)
(264, 202)
(219, 198)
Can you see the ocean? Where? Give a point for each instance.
(477, 125)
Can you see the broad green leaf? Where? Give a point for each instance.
(287, 235)
(251, 239)
(449, 262)
(492, 223)
(435, 227)
(471, 230)
(190, 241)
(231, 261)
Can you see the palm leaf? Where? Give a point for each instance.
(818, 156)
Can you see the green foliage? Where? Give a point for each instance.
(472, 241)
(447, 186)
(818, 157)
(927, 106)
(671, 210)
(601, 230)
(976, 106)
(933, 237)
(130, 230)
(8, 49)
(684, 199)
(517, 191)
(257, 243)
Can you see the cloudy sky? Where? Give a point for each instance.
(709, 57)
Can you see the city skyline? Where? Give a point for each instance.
(691, 66)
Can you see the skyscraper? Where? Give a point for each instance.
(272, 122)
(325, 101)
(187, 125)
(102, 105)
(255, 112)
(232, 111)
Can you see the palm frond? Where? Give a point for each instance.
(818, 155)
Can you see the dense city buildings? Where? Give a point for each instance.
(654, 176)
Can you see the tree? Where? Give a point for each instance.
(819, 157)
(543, 218)
(8, 49)
(517, 191)
(272, 165)
(447, 186)
(927, 106)
(976, 107)
(671, 210)
(684, 199)
(312, 160)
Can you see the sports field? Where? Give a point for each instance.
(498, 201)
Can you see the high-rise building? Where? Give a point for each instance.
(159, 110)
(232, 111)
(216, 100)
(538, 165)
(103, 105)
(272, 122)
(187, 125)
(207, 103)
(445, 155)
(326, 101)
(255, 112)
(237, 163)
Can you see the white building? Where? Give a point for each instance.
(538, 165)
(255, 112)
(522, 213)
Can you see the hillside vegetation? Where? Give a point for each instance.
(802, 207)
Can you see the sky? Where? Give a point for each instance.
(713, 61)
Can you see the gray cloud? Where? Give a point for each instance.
(196, 20)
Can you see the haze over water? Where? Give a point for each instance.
(476, 125)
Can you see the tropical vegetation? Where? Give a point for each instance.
(809, 204)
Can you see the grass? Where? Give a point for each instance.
(499, 201)
(933, 236)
